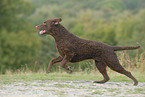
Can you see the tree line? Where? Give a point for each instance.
(114, 22)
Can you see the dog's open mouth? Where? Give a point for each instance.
(42, 31)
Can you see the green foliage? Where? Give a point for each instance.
(17, 49)
(104, 33)
(133, 4)
(47, 50)
(125, 29)
(139, 31)
(112, 4)
(12, 14)
(18, 46)
(131, 31)
(115, 22)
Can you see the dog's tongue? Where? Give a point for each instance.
(42, 31)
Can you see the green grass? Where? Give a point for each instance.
(64, 84)
(97, 92)
(114, 77)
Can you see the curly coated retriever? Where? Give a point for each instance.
(74, 49)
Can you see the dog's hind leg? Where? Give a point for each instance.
(113, 62)
(52, 62)
(102, 69)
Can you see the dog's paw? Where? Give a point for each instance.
(136, 83)
(101, 82)
(70, 71)
(47, 72)
(69, 68)
(96, 82)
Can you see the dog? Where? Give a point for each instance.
(71, 48)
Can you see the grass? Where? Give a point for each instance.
(97, 92)
(139, 90)
(114, 77)
(66, 85)
(135, 66)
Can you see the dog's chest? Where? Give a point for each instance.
(61, 50)
(64, 47)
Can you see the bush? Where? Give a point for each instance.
(17, 49)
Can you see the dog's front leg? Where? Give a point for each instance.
(65, 60)
(52, 62)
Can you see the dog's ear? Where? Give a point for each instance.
(57, 21)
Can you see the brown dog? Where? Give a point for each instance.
(74, 49)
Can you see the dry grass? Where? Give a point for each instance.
(131, 64)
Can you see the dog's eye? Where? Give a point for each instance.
(52, 22)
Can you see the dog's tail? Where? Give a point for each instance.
(119, 48)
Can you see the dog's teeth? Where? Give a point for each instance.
(42, 31)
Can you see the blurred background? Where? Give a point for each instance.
(115, 22)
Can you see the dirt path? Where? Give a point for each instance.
(50, 88)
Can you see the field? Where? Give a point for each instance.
(69, 85)
(25, 54)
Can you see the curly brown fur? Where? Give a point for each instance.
(74, 49)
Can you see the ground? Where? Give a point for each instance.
(67, 85)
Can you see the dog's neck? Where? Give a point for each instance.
(60, 33)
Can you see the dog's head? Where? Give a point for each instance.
(45, 28)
